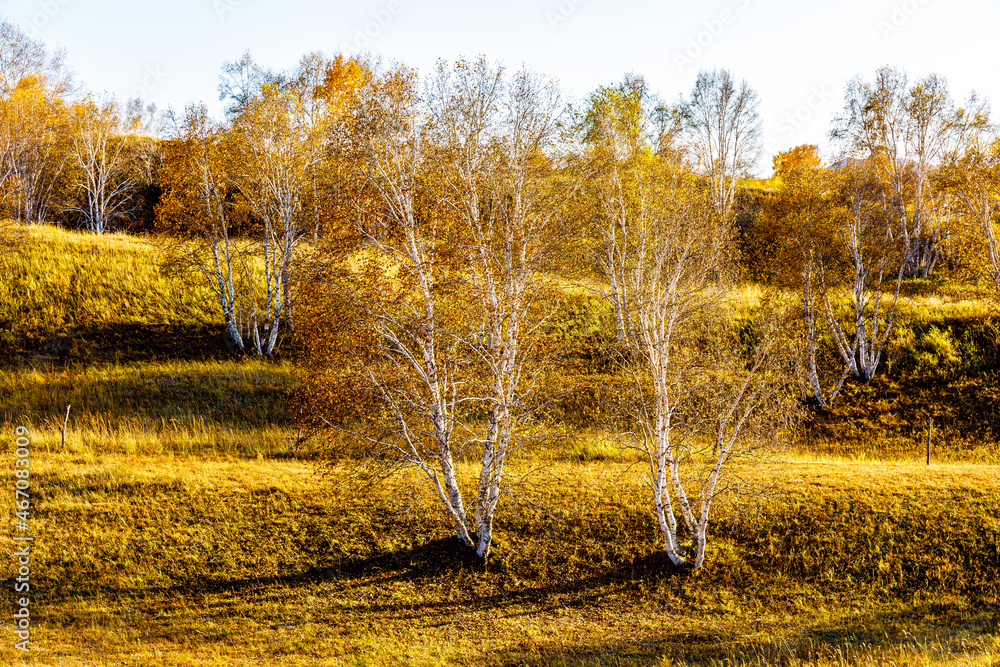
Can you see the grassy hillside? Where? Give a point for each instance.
(72, 297)
(138, 354)
(177, 527)
(83, 316)
(942, 361)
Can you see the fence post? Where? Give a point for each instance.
(930, 426)
(65, 422)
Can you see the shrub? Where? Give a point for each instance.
(936, 352)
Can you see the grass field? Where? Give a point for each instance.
(189, 560)
(179, 525)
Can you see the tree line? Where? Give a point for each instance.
(414, 235)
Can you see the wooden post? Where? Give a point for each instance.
(930, 427)
(65, 422)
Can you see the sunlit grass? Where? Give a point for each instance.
(174, 529)
(186, 560)
(61, 279)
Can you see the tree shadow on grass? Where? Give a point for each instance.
(481, 586)
(227, 395)
(880, 637)
(121, 342)
(484, 591)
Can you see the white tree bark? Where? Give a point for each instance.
(875, 259)
(664, 241)
(723, 129)
(224, 262)
(103, 164)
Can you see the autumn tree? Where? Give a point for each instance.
(106, 162)
(381, 304)
(972, 177)
(280, 140)
(905, 131)
(722, 127)
(329, 85)
(617, 126)
(704, 399)
(832, 240)
(198, 207)
(701, 399)
(505, 178)
(22, 57)
(243, 193)
(798, 246)
(873, 273)
(34, 124)
(438, 280)
(244, 80)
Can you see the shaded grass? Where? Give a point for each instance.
(224, 407)
(170, 560)
(70, 296)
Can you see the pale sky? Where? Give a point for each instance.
(797, 55)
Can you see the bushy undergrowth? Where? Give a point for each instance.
(947, 369)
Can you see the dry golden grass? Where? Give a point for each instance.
(234, 407)
(64, 279)
(187, 560)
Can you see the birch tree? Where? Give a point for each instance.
(33, 123)
(723, 130)
(22, 57)
(972, 176)
(703, 400)
(34, 126)
(505, 181)
(395, 277)
(103, 164)
(906, 131)
(847, 265)
(197, 205)
(799, 225)
(243, 81)
(243, 193)
(875, 268)
(277, 148)
(456, 217)
(616, 129)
